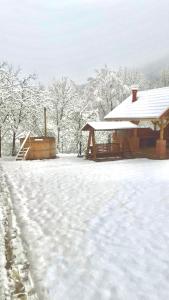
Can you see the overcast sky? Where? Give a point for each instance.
(58, 38)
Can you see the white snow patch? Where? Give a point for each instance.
(94, 230)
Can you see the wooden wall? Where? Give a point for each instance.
(40, 147)
(147, 136)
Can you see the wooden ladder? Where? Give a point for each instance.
(23, 151)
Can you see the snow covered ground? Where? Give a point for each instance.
(15, 277)
(94, 231)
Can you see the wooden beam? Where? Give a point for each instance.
(161, 132)
(94, 145)
(166, 123)
(162, 123)
(165, 114)
(88, 143)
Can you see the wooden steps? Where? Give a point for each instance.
(23, 152)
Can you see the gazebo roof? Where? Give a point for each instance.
(106, 126)
(150, 105)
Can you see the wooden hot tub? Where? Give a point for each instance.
(40, 147)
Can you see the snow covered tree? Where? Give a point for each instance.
(164, 78)
(131, 77)
(22, 105)
(62, 95)
(6, 94)
(107, 89)
(84, 111)
(69, 106)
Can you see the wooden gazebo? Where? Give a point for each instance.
(114, 150)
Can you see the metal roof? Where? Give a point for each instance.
(105, 126)
(150, 104)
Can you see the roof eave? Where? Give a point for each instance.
(87, 127)
(133, 119)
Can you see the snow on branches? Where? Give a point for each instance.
(69, 105)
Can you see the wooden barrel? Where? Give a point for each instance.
(40, 147)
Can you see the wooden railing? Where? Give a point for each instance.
(106, 150)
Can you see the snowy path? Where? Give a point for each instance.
(15, 277)
(94, 231)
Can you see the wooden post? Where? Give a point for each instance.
(88, 143)
(161, 130)
(13, 143)
(94, 145)
(161, 149)
(45, 122)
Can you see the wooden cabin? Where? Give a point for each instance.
(145, 107)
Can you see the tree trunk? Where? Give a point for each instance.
(45, 122)
(58, 138)
(0, 142)
(13, 144)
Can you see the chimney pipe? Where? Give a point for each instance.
(134, 90)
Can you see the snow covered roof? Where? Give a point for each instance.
(150, 104)
(109, 125)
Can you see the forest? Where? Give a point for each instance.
(69, 104)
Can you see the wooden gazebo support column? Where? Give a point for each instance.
(91, 143)
(161, 149)
(94, 145)
(88, 145)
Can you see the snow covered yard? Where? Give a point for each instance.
(94, 231)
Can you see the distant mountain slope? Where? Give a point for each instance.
(153, 69)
